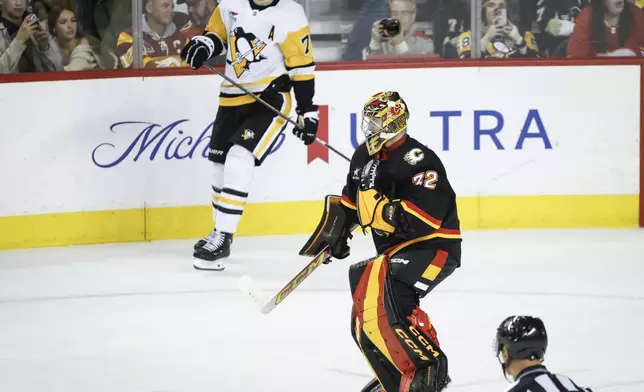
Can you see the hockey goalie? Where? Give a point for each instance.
(398, 188)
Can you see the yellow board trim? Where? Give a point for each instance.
(542, 212)
(162, 223)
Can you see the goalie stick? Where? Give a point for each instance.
(272, 109)
(247, 286)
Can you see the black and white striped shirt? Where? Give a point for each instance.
(539, 379)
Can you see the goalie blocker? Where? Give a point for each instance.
(331, 231)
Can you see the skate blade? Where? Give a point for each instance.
(204, 265)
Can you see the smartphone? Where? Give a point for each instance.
(32, 18)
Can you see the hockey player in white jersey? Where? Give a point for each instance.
(269, 52)
(520, 346)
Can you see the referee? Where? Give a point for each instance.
(520, 346)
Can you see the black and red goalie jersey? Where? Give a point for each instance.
(412, 179)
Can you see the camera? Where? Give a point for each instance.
(391, 27)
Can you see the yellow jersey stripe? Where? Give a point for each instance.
(301, 78)
(217, 26)
(273, 130)
(228, 201)
(236, 101)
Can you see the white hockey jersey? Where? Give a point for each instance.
(263, 43)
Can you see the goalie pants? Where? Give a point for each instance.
(252, 126)
(393, 333)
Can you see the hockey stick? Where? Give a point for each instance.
(272, 109)
(248, 287)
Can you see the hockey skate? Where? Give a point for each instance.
(212, 255)
(207, 239)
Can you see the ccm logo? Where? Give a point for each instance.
(413, 345)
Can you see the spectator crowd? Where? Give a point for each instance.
(61, 35)
(69, 35)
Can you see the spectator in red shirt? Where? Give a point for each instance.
(162, 41)
(608, 28)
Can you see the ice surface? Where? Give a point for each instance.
(138, 318)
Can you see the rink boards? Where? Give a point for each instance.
(123, 159)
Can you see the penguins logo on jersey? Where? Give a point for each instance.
(245, 49)
(248, 134)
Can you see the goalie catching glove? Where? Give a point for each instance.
(200, 48)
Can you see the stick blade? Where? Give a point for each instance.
(247, 286)
(268, 306)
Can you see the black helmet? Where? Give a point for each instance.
(524, 336)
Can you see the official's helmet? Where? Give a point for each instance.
(524, 337)
(384, 116)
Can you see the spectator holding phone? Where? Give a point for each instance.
(608, 28)
(76, 51)
(25, 44)
(396, 35)
(501, 38)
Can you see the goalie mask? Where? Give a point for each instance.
(384, 117)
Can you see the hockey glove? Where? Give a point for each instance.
(341, 249)
(308, 125)
(199, 49)
(394, 214)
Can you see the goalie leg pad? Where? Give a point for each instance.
(329, 230)
(403, 340)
